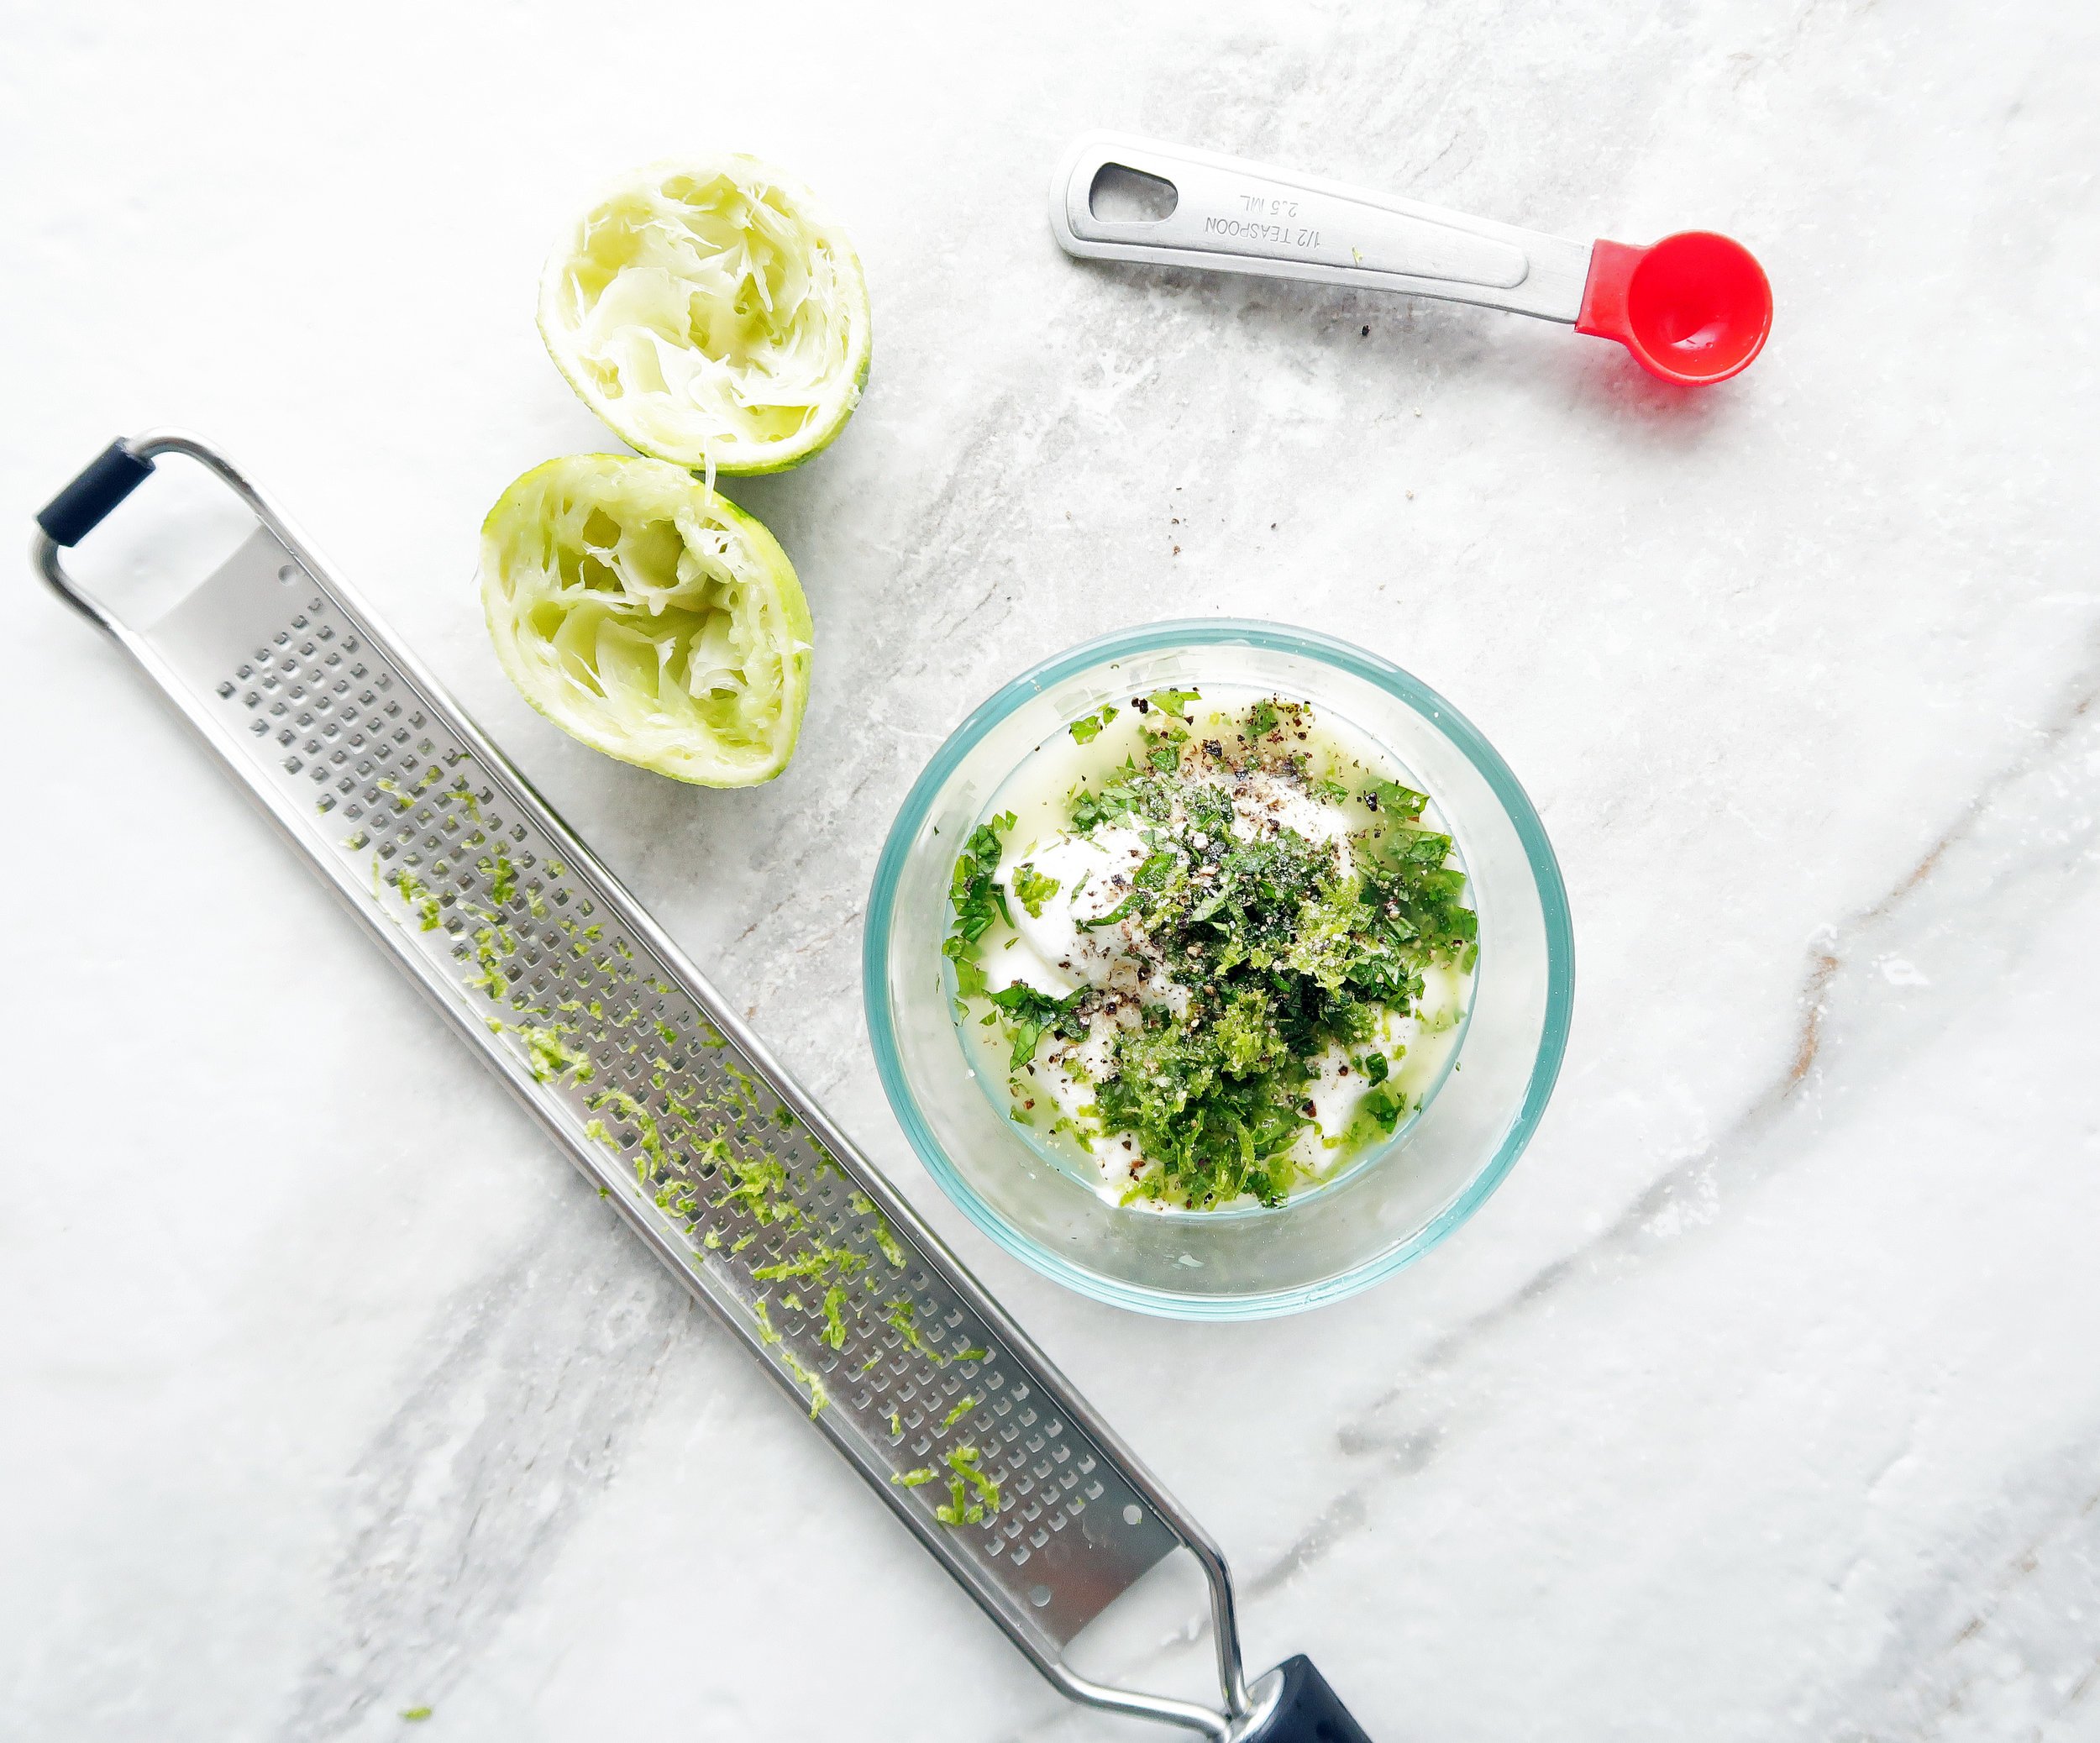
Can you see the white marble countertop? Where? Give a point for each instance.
(1761, 1403)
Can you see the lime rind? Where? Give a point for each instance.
(649, 618)
(711, 314)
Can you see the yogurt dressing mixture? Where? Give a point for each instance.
(1210, 951)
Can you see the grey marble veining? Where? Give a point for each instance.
(466, 1493)
(1757, 1404)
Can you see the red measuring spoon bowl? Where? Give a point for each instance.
(1693, 308)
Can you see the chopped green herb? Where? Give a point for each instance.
(1385, 1108)
(977, 900)
(1031, 1014)
(1122, 910)
(1390, 799)
(969, 977)
(1087, 726)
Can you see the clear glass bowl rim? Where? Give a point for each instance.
(1197, 633)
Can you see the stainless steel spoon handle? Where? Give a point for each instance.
(1229, 215)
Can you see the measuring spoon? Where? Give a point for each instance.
(1693, 308)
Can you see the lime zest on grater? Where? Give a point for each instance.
(631, 1061)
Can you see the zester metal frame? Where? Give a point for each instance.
(328, 721)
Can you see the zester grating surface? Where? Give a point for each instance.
(475, 884)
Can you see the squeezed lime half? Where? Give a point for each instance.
(649, 617)
(711, 313)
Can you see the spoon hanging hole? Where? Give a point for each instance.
(1120, 195)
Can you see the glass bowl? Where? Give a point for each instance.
(1383, 1211)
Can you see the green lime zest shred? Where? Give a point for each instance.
(971, 1493)
(1032, 888)
(834, 1317)
(885, 1236)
